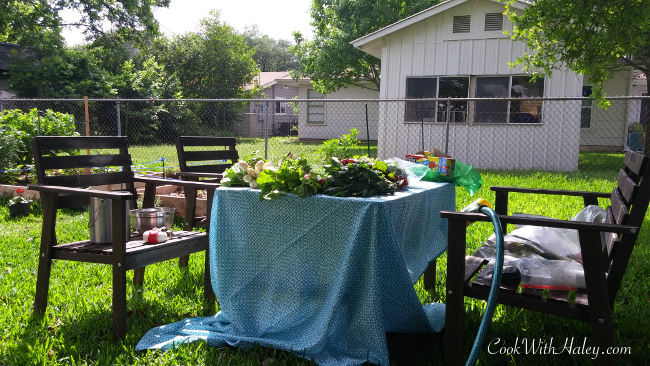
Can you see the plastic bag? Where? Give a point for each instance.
(464, 176)
(538, 250)
(553, 275)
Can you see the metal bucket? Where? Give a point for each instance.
(101, 221)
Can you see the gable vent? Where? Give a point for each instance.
(461, 23)
(493, 21)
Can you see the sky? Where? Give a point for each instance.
(277, 19)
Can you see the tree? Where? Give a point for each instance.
(65, 73)
(214, 62)
(329, 59)
(270, 54)
(591, 37)
(29, 22)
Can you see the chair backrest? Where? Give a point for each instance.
(214, 154)
(46, 162)
(629, 203)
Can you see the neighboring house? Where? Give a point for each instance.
(329, 120)
(5, 61)
(277, 115)
(458, 49)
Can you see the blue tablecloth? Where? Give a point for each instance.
(325, 277)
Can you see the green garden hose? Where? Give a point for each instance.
(494, 289)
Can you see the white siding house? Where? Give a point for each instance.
(458, 49)
(322, 121)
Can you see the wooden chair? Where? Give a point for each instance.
(213, 151)
(604, 269)
(66, 191)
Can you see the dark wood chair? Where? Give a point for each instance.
(604, 269)
(122, 254)
(214, 155)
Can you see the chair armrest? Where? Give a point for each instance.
(562, 224)
(112, 195)
(196, 174)
(551, 191)
(182, 183)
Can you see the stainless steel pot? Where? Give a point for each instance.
(144, 219)
(101, 221)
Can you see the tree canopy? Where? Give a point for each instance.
(214, 62)
(329, 59)
(270, 54)
(592, 37)
(34, 22)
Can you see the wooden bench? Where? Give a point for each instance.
(604, 268)
(65, 191)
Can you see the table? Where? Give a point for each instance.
(325, 277)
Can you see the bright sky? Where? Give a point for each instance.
(277, 19)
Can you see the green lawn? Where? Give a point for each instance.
(148, 156)
(77, 326)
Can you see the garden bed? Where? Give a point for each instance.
(176, 199)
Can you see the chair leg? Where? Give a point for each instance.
(138, 276)
(455, 307)
(183, 261)
(429, 277)
(119, 302)
(599, 310)
(48, 238)
(119, 270)
(42, 283)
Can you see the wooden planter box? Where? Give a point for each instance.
(179, 204)
(9, 190)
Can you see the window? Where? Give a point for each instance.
(462, 23)
(585, 109)
(526, 111)
(434, 87)
(261, 112)
(504, 111)
(421, 88)
(280, 107)
(453, 88)
(493, 22)
(315, 110)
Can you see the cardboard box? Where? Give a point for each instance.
(438, 161)
(418, 159)
(444, 166)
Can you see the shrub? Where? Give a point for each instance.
(342, 148)
(17, 130)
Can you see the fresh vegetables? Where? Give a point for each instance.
(358, 177)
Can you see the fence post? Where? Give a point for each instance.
(87, 170)
(448, 120)
(266, 132)
(2, 105)
(119, 122)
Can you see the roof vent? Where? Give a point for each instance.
(461, 23)
(493, 21)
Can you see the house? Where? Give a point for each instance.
(322, 121)
(313, 120)
(5, 61)
(458, 49)
(272, 111)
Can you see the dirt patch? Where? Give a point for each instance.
(181, 193)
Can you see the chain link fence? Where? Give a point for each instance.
(557, 134)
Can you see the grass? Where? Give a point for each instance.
(76, 328)
(148, 156)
